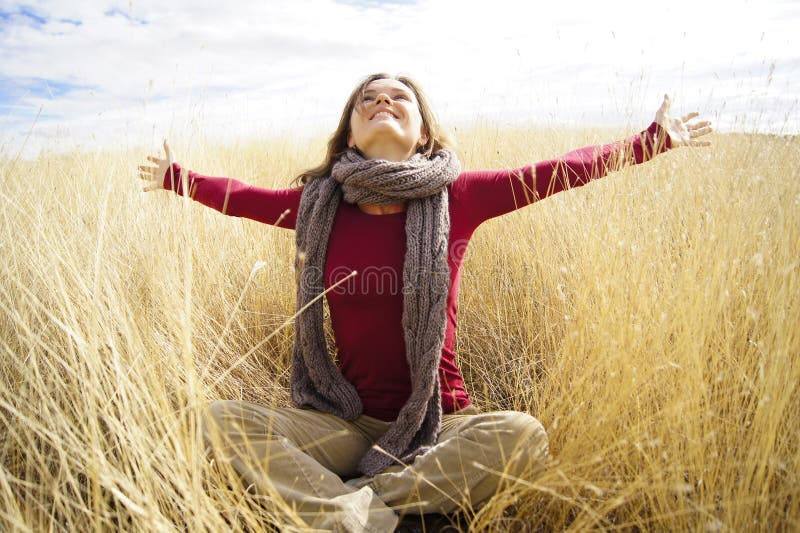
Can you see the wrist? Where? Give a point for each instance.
(658, 138)
(172, 178)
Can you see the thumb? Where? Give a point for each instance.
(663, 111)
(168, 152)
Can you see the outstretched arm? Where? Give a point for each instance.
(487, 194)
(226, 195)
(579, 167)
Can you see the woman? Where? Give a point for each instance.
(384, 222)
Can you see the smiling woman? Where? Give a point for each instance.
(390, 425)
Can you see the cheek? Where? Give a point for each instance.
(355, 129)
(416, 117)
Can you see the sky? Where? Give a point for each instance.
(114, 74)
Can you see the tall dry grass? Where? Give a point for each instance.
(650, 320)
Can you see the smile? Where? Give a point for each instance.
(383, 114)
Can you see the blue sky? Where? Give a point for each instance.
(118, 73)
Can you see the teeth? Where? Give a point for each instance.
(384, 114)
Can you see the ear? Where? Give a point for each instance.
(350, 142)
(423, 138)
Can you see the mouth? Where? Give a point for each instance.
(383, 113)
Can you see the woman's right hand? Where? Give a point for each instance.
(154, 175)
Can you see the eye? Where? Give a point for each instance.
(402, 97)
(367, 98)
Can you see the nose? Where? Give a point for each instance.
(383, 98)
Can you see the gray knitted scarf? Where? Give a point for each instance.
(316, 381)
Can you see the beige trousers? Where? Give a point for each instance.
(309, 459)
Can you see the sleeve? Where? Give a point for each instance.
(485, 194)
(277, 207)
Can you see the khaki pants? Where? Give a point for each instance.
(309, 459)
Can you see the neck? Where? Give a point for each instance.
(383, 209)
(388, 151)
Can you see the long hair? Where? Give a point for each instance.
(337, 144)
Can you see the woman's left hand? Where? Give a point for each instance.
(680, 131)
(155, 175)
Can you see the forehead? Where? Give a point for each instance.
(388, 86)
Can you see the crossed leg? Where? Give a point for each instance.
(302, 456)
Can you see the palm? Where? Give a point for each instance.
(154, 175)
(681, 132)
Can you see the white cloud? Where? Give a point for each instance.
(130, 69)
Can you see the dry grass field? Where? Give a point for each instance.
(650, 320)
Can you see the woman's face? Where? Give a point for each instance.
(386, 122)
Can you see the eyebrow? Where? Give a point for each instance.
(394, 90)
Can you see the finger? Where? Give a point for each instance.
(151, 187)
(699, 125)
(698, 143)
(168, 151)
(153, 159)
(690, 116)
(147, 169)
(700, 132)
(665, 105)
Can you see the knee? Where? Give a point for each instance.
(229, 416)
(213, 417)
(524, 434)
(217, 411)
(216, 408)
(516, 439)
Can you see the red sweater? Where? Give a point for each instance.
(366, 311)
